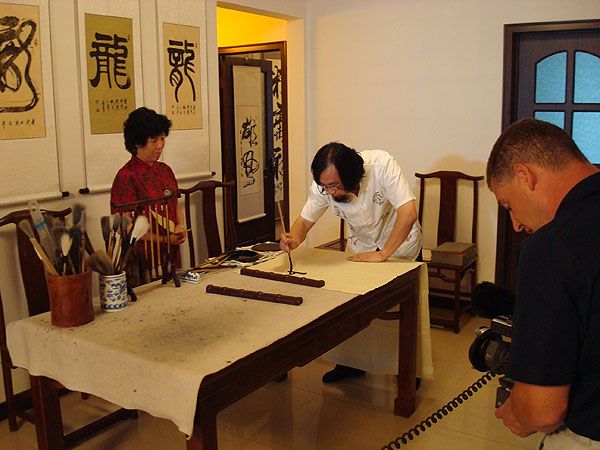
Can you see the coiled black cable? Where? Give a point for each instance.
(438, 415)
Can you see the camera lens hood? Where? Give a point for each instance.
(479, 350)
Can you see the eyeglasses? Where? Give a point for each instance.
(325, 188)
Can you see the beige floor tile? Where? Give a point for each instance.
(331, 423)
(476, 416)
(263, 407)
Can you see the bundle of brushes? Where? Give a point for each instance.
(120, 234)
(62, 243)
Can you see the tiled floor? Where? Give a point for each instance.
(303, 413)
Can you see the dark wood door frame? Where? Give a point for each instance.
(260, 230)
(281, 47)
(507, 240)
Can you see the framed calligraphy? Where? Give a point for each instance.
(110, 72)
(181, 62)
(21, 108)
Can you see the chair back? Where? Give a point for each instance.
(448, 205)
(209, 217)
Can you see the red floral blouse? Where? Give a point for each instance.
(137, 180)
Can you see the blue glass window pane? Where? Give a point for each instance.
(551, 79)
(587, 78)
(555, 117)
(586, 133)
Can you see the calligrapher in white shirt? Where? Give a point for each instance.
(368, 191)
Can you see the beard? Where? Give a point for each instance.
(344, 198)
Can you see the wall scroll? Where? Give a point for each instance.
(110, 73)
(181, 62)
(21, 105)
(278, 129)
(248, 89)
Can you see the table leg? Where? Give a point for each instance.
(404, 404)
(204, 436)
(46, 406)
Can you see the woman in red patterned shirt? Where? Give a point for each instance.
(144, 177)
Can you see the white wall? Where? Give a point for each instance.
(421, 79)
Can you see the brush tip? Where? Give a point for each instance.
(25, 226)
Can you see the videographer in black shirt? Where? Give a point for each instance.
(552, 191)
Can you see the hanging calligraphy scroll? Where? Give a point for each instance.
(248, 89)
(181, 62)
(277, 129)
(21, 105)
(110, 73)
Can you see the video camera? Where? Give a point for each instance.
(489, 351)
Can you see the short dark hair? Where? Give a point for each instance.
(531, 141)
(346, 160)
(141, 124)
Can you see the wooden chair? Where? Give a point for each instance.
(36, 293)
(446, 232)
(339, 243)
(209, 217)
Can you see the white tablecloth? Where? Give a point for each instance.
(374, 349)
(154, 354)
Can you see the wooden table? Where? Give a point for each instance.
(232, 382)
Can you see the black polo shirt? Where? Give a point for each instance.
(556, 335)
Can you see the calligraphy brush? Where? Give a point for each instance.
(79, 220)
(100, 262)
(126, 225)
(117, 248)
(26, 228)
(87, 246)
(283, 232)
(115, 224)
(63, 242)
(74, 254)
(126, 222)
(105, 226)
(140, 227)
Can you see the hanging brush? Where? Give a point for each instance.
(26, 228)
(140, 227)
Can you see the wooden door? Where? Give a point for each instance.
(551, 72)
(247, 141)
